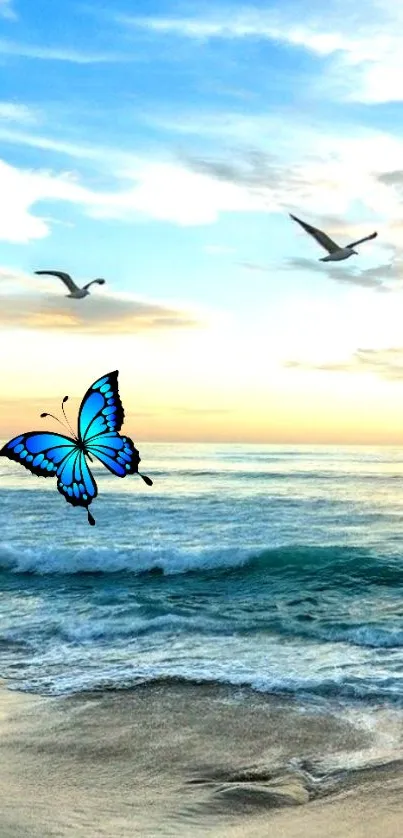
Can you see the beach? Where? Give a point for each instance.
(170, 759)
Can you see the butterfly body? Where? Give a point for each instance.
(51, 454)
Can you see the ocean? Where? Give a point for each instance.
(275, 568)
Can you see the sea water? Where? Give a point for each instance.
(275, 567)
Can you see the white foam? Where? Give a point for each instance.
(70, 560)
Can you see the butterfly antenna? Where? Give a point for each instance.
(146, 479)
(71, 430)
(54, 417)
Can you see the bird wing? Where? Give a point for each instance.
(98, 281)
(322, 239)
(367, 238)
(66, 278)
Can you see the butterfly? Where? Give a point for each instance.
(50, 454)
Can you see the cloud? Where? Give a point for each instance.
(368, 278)
(105, 316)
(394, 178)
(21, 189)
(183, 26)
(7, 10)
(14, 112)
(384, 363)
(325, 367)
(171, 192)
(253, 169)
(157, 190)
(227, 22)
(255, 266)
(366, 51)
(10, 277)
(307, 162)
(69, 55)
(303, 172)
(195, 189)
(106, 313)
(78, 151)
(392, 182)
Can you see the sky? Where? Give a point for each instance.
(162, 146)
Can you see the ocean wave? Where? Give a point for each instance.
(339, 688)
(346, 565)
(230, 474)
(112, 629)
(368, 636)
(70, 560)
(129, 628)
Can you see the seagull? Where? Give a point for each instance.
(75, 292)
(336, 253)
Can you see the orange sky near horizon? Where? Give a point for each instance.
(296, 375)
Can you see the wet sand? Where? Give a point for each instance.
(184, 760)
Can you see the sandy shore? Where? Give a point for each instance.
(177, 760)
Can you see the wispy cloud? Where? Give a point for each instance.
(393, 178)
(349, 160)
(382, 278)
(341, 366)
(171, 192)
(195, 189)
(238, 25)
(302, 173)
(15, 112)
(163, 191)
(67, 54)
(384, 363)
(392, 181)
(78, 151)
(254, 266)
(7, 9)
(106, 313)
(252, 168)
(366, 52)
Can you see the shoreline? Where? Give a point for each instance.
(189, 760)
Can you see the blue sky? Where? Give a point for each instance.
(162, 146)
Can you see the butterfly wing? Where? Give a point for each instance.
(116, 452)
(100, 418)
(54, 455)
(40, 452)
(75, 481)
(101, 409)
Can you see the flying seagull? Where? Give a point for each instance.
(75, 292)
(336, 253)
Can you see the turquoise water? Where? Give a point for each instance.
(276, 567)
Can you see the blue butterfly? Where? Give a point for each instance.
(99, 420)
